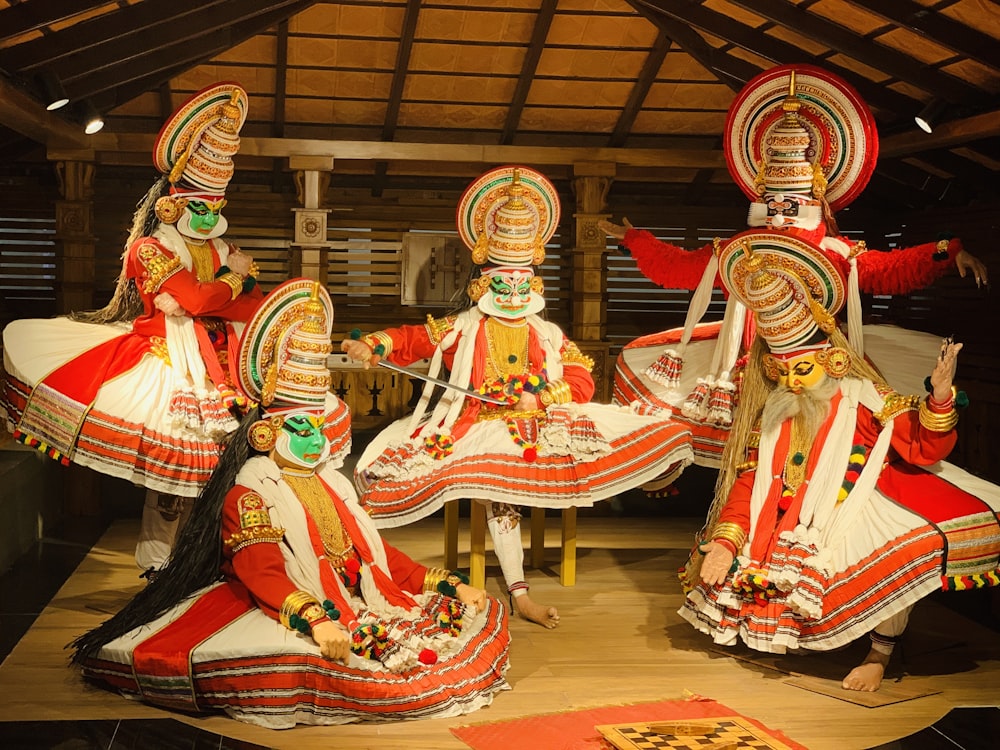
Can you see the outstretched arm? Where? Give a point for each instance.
(666, 265)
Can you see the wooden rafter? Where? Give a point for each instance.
(154, 63)
(539, 34)
(880, 57)
(776, 50)
(730, 70)
(108, 29)
(640, 90)
(947, 32)
(24, 17)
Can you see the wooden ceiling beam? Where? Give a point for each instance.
(951, 133)
(200, 31)
(730, 70)
(540, 32)
(779, 52)
(107, 29)
(152, 64)
(877, 56)
(428, 152)
(640, 90)
(937, 27)
(24, 114)
(24, 17)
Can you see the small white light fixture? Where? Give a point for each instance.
(930, 115)
(52, 90)
(92, 120)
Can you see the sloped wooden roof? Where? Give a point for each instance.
(643, 83)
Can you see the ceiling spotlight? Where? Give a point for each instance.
(930, 115)
(52, 90)
(92, 120)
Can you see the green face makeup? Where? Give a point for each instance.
(204, 215)
(306, 441)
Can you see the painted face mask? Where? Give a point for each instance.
(801, 373)
(301, 441)
(202, 218)
(509, 294)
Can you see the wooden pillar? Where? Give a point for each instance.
(591, 183)
(75, 240)
(310, 249)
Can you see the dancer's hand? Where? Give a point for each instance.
(471, 596)
(966, 263)
(333, 640)
(359, 351)
(716, 564)
(944, 370)
(614, 230)
(165, 302)
(239, 262)
(528, 402)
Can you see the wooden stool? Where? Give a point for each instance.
(477, 542)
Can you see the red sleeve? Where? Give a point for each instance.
(914, 443)
(407, 574)
(737, 507)
(906, 270)
(668, 266)
(258, 566)
(409, 344)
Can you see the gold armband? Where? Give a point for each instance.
(731, 532)
(438, 328)
(936, 421)
(295, 603)
(433, 577)
(234, 281)
(894, 405)
(159, 266)
(556, 392)
(571, 355)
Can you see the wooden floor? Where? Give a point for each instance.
(620, 641)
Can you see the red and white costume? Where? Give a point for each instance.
(149, 402)
(569, 455)
(880, 523)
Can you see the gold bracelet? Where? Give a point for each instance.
(558, 391)
(234, 281)
(731, 532)
(433, 577)
(294, 603)
(934, 421)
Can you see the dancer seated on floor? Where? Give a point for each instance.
(316, 619)
(834, 513)
(538, 441)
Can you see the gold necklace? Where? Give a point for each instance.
(508, 348)
(201, 260)
(311, 493)
(798, 454)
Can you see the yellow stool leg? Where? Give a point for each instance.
(477, 546)
(451, 534)
(537, 537)
(567, 568)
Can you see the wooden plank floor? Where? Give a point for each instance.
(620, 641)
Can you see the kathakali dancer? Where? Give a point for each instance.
(316, 619)
(142, 389)
(835, 511)
(539, 441)
(801, 143)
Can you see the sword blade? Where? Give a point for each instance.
(443, 383)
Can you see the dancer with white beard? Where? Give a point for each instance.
(835, 511)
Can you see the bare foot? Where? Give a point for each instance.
(867, 676)
(547, 617)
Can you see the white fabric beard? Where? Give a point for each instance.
(810, 407)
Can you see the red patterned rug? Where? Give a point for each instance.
(695, 722)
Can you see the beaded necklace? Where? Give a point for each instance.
(201, 260)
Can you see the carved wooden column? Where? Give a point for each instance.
(75, 238)
(591, 183)
(309, 246)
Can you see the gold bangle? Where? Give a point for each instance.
(294, 603)
(234, 281)
(558, 391)
(935, 421)
(433, 577)
(732, 532)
